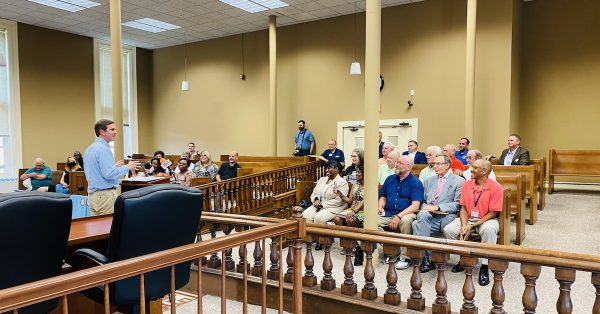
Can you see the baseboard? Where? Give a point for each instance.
(576, 186)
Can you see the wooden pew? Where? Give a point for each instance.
(576, 163)
(256, 167)
(540, 168)
(530, 184)
(78, 184)
(284, 161)
(516, 202)
(416, 169)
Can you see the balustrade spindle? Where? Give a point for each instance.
(369, 291)
(273, 272)
(416, 301)
(596, 283)
(289, 274)
(328, 282)
(498, 296)
(214, 261)
(391, 295)
(468, 307)
(441, 304)
(349, 286)
(565, 278)
(203, 260)
(240, 266)
(530, 273)
(309, 279)
(257, 267)
(229, 262)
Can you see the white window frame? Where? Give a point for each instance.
(133, 97)
(15, 158)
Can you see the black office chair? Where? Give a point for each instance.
(145, 221)
(34, 231)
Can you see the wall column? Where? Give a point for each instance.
(273, 83)
(372, 100)
(117, 84)
(470, 71)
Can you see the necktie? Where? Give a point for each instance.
(438, 190)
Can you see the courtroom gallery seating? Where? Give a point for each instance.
(34, 230)
(146, 220)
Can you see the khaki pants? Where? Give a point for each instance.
(487, 230)
(405, 225)
(102, 202)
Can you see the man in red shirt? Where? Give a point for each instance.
(481, 202)
(456, 166)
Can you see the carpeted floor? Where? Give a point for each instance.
(570, 223)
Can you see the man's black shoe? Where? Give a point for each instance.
(358, 256)
(457, 268)
(318, 247)
(484, 276)
(426, 265)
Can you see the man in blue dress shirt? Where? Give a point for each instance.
(305, 141)
(101, 171)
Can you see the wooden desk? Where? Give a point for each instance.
(89, 229)
(132, 185)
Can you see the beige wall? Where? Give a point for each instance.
(57, 93)
(560, 94)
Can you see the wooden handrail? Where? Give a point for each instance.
(27, 294)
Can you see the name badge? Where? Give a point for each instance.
(474, 213)
(330, 154)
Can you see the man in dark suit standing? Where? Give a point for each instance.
(418, 157)
(514, 155)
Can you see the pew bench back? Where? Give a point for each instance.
(576, 163)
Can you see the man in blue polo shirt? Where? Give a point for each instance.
(305, 141)
(40, 176)
(400, 198)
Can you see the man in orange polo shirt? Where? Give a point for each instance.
(456, 166)
(481, 202)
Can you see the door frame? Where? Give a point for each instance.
(413, 123)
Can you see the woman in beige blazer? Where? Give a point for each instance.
(325, 200)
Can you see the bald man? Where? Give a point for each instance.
(389, 168)
(229, 170)
(40, 176)
(480, 205)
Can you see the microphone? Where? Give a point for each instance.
(148, 168)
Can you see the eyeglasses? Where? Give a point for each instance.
(439, 163)
(353, 156)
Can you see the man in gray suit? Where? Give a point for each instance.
(442, 196)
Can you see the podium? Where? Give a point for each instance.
(140, 182)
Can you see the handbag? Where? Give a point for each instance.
(305, 203)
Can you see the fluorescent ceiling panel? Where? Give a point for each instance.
(254, 6)
(68, 5)
(151, 25)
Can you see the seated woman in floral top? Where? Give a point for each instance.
(205, 167)
(354, 216)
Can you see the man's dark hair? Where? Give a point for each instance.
(301, 121)
(466, 139)
(191, 143)
(159, 152)
(413, 141)
(101, 125)
(517, 136)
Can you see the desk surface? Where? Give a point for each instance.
(90, 229)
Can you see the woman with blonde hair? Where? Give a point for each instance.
(205, 167)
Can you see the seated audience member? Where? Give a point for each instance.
(380, 145)
(442, 196)
(357, 160)
(514, 155)
(40, 176)
(332, 153)
(193, 152)
(185, 155)
(480, 204)
(399, 200)
(457, 166)
(205, 167)
(326, 202)
(72, 165)
(385, 150)
(430, 154)
(354, 216)
(417, 156)
(473, 156)
(159, 154)
(389, 168)
(463, 149)
(229, 169)
(184, 176)
(79, 158)
(157, 170)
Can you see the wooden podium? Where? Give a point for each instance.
(136, 183)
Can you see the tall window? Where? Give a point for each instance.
(104, 105)
(10, 132)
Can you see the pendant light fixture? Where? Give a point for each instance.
(185, 84)
(355, 66)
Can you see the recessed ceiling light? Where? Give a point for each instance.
(151, 25)
(68, 5)
(254, 6)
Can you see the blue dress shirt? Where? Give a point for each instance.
(400, 194)
(100, 170)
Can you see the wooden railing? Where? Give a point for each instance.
(11, 299)
(531, 262)
(243, 194)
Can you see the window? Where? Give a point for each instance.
(10, 117)
(104, 105)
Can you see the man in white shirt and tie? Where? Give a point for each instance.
(442, 196)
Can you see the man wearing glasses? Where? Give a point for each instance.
(442, 196)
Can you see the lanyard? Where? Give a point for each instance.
(302, 140)
(477, 200)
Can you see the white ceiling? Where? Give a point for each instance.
(199, 19)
